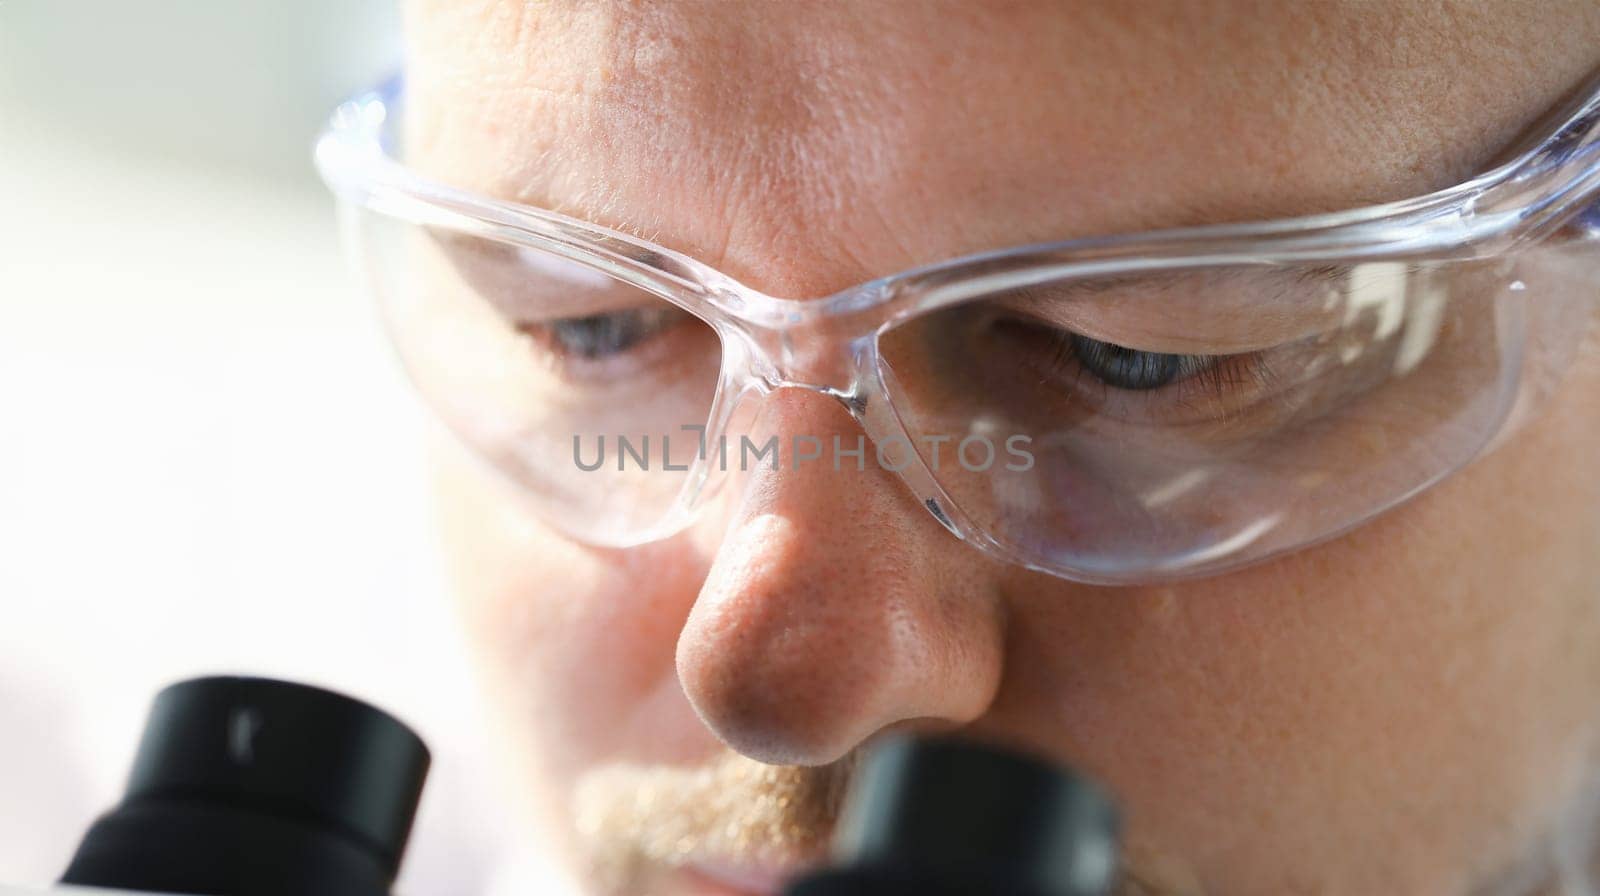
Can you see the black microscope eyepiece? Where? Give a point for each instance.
(942, 817)
(255, 787)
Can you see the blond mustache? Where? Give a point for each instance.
(635, 820)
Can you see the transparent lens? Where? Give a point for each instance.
(1181, 420)
(576, 384)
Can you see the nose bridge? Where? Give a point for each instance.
(795, 545)
(821, 345)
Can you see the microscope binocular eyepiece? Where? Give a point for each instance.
(254, 787)
(940, 817)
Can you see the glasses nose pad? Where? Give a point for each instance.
(745, 436)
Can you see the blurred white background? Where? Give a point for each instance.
(207, 461)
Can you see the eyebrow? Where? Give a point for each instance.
(507, 276)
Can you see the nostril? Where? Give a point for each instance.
(769, 666)
(815, 629)
(779, 716)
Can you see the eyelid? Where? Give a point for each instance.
(529, 286)
(1203, 313)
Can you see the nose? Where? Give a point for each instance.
(835, 606)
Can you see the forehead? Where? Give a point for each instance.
(803, 147)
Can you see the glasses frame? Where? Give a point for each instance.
(1546, 186)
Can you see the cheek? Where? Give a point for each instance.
(575, 643)
(1426, 680)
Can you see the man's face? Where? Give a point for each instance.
(1407, 709)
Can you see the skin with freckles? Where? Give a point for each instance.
(1406, 709)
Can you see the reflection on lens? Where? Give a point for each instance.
(585, 389)
(1208, 417)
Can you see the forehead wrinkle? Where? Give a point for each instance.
(610, 139)
(804, 149)
(776, 157)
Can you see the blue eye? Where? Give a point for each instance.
(599, 336)
(1131, 369)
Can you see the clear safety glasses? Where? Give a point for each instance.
(1114, 410)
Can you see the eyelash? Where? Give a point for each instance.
(648, 344)
(623, 331)
(1212, 387)
(1208, 386)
